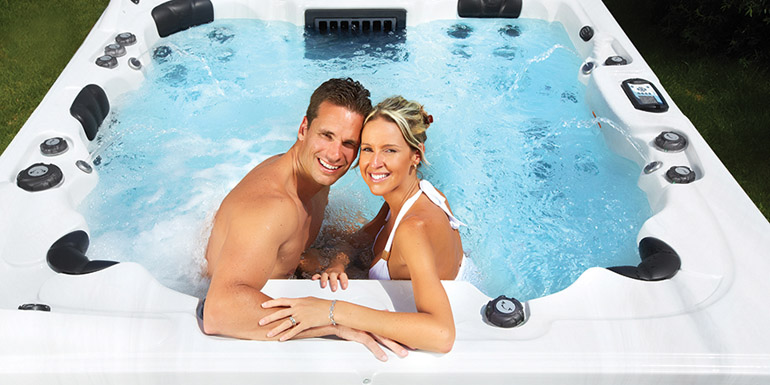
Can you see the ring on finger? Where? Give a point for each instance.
(293, 321)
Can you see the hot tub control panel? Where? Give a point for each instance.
(644, 96)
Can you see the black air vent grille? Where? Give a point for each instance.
(355, 20)
(324, 25)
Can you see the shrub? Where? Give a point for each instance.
(737, 28)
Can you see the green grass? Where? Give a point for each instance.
(736, 126)
(724, 98)
(37, 39)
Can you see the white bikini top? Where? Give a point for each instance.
(380, 269)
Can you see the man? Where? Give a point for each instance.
(273, 215)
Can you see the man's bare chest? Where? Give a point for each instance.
(290, 253)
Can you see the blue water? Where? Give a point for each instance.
(513, 146)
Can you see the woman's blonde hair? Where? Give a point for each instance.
(409, 116)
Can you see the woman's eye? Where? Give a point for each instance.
(366, 149)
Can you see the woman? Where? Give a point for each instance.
(414, 236)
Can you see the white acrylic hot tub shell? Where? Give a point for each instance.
(119, 325)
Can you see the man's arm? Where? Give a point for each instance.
(245, 262)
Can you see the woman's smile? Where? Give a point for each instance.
(378, 177)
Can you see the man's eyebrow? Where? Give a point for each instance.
(330, 132)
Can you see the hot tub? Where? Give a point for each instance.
(118, 324)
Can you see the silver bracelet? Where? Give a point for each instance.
(331, 312)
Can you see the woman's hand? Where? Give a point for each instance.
(299, 314)
(368, 340)
(311, 312)
(335, 272)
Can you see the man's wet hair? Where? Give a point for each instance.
(341, 92)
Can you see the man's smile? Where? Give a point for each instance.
(327, 165)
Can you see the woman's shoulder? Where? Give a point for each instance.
(415, 245)
(423, 220)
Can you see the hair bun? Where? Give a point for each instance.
(427, 119)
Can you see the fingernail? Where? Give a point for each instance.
(383, 358)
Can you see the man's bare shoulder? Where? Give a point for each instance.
(264, 204)
(267, 177)
(261, 196)
(261, 208)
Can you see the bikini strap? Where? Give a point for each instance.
(440, 201)
(407, 205)
(435, 197)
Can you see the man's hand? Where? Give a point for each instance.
(311, 262)
(332, 275)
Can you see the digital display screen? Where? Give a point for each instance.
(645, 93)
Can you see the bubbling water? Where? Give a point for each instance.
(513, 145)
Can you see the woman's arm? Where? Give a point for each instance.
(431, 328)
